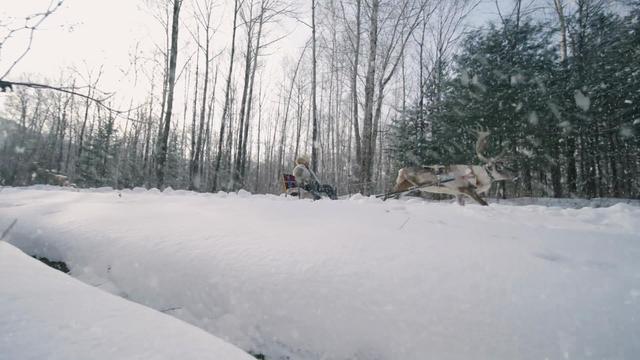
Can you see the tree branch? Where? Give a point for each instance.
(4, 85)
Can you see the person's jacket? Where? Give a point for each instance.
(303, 175)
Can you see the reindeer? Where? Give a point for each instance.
(458, 180)
(41, 175)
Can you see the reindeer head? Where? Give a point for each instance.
(494, 165)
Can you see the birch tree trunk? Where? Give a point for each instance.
(367, 126)
(314, 134)
(162, 154)
(225, 108)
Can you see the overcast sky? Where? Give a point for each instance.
(87, 34)
(104, 32)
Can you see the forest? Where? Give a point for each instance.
(379, 85)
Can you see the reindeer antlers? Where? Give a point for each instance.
(481, 143)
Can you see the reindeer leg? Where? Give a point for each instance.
(474, 195)
(412, 183)
(460, 199)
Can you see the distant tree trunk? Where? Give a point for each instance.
(421, 81)
(559, 7)
(82, 132)
(354, 91)
(272, 144)
(165, 81)
(556, 176)
(286, 111)
(258, 142)
(66, 124)
(162, 153)
(314, 134)
(369, 88)
(228, 166)
(225, 109)
(615, 182)
(299, 115)
(206, 146)
(70, 142)
(196, 180)
(570, 143)
(572, 172)
(248, 59)
(243, 162)
(147, 141)
(193, 167)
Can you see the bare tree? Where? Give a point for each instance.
(203, 16)
(355, 42)
(166, 124)
(30, 25)
(227, 93)
(314, 108)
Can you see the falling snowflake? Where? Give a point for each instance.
(464, 78)
(518, 106)
(582, 101)
(517, 79)
(626, 132)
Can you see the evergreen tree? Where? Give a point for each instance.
(95, 164)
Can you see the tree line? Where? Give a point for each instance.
(379, 84)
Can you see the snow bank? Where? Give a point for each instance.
(45, 314)
(573, 203)
(355, 279)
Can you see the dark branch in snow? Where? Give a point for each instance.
(8, 229)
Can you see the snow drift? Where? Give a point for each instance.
(354, 279)
(45, 314)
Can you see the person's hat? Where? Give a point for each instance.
(302, 161)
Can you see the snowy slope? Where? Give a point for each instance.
(354, 279)
(45, 314)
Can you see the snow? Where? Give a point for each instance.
(571, 203)
(45, 314)
(357, 278)
(582, 100)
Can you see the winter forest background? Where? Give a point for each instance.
(378, 85)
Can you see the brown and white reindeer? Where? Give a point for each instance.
(458, 180)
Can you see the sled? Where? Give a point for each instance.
(291, 188)
(290, 185)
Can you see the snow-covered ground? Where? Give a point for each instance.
(569, 203)
(352, 279)
(45, 314)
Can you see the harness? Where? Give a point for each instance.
(444, 178)
(485, 167)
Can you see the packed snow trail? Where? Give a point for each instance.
(45, 314)
(354, 279)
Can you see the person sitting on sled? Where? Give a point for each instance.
(308, 181)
